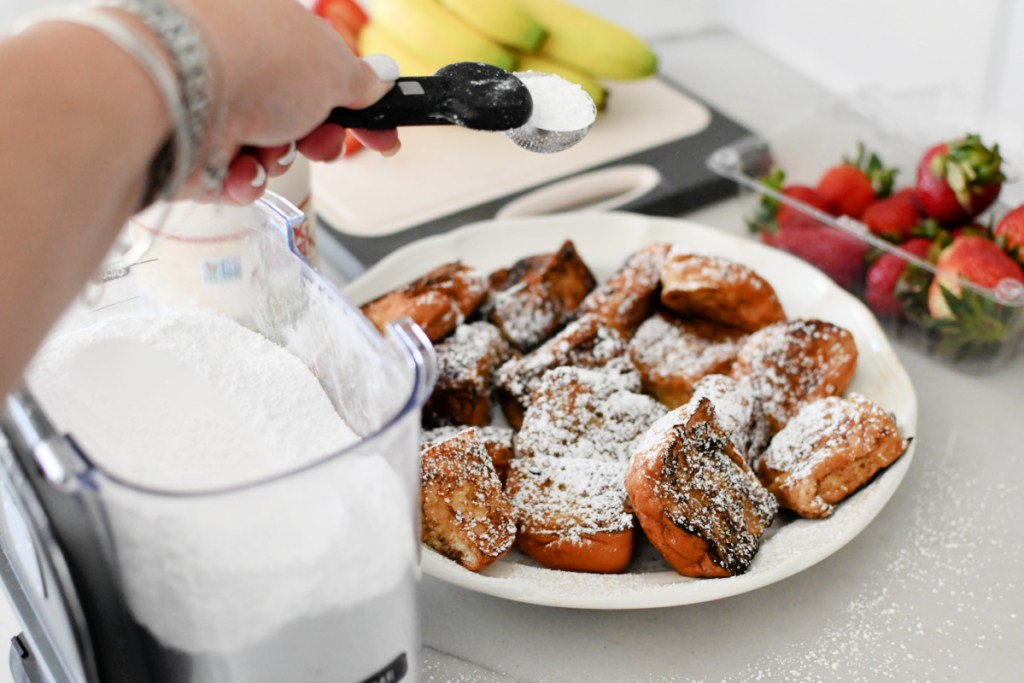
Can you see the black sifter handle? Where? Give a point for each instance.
(469, 94)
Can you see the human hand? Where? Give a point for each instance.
(279, 70)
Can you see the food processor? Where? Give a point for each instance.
(308, 574)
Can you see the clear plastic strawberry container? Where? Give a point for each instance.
(930, 303)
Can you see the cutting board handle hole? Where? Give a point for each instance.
(601, 190)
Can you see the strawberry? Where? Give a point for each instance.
(958, 180)
(883, 278)
(1009, 233)
(853, 184)
(773, 215)
(790, 215)
(970, 229)
(352, 144)
(973, 259)
(893, 217)
(347, 18)
(839, 255)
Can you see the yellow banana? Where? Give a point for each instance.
(428, 28)
(596, 91)
(590, 43)
(375, 39)
(505, 21)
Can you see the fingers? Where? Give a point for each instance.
(325, 143)
(246, 179)
(276, 160)
(384, 141)
(369, 80)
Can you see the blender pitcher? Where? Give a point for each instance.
(308, 573)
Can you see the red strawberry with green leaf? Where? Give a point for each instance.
(973, 259)
(852, 185)
(773, 215)
(881, 290)
(958, 180)
(838, 254)
(1009, 233)
(893, 217)
(963, 321)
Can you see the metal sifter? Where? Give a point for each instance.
(539, 112)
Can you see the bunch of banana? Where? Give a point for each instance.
(551, 36)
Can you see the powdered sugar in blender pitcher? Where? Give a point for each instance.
(254, 462)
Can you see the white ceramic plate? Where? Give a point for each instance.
(604, 241)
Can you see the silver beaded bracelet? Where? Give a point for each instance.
(191, 61)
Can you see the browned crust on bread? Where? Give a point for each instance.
(718, 289)
(604, 553)
(586, 343)
(437, 302)
(465, 514)
(466, 361)
(571, 513)
(790, 364)
(827, 452)
(673, 354)
(538, 295)
(695, 497)
(630, 295)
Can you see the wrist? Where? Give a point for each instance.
(187, 48)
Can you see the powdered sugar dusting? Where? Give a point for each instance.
(583, 343)
(790, 363)
(580, 413)
(924, 594)
(673, 354)
(460, 355)
(702, 270)
(733, 404)
(570, 497)
(629, 295)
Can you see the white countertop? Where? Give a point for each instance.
(931, 590)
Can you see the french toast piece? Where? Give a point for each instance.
(718, 289)
(581, 413)
(497, 441)
(790, 364)
(734, 409)
(629, 296)
(672, 354)
(571, 513)
(538, 295)
(829, 450)
(697, 500)
(437, 302)
(466, 515)
(466, 360)
(585, 342)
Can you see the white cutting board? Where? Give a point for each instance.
(443, 169)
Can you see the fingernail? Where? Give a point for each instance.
(289, 156)
(393, 150)
(385, 67)
(261, 175)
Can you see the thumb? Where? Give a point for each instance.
(372, 77)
